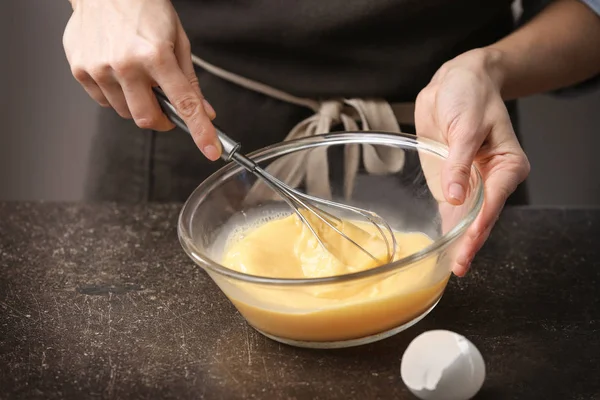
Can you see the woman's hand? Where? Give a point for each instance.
(463, 108)
(119, 49)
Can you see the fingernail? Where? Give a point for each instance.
(457, 192)
(209, 109)
(211, 152)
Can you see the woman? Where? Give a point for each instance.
(457, 64)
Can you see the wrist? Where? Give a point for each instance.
(487, 62)
(492, 62)
(496, 66)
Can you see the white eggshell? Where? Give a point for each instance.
(442, 365)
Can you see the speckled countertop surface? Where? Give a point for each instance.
(99, 301)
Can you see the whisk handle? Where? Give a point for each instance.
(230, 146)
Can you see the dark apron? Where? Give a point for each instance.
(128, 164)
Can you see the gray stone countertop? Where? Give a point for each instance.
(100, 301)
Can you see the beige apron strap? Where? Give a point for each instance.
(312, 166)
(375, 115)
(253, 85)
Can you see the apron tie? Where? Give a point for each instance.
(311, 166)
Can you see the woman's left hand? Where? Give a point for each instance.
(462, 107)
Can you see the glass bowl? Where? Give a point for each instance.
(344, 310)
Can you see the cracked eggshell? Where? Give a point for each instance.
(442, 365)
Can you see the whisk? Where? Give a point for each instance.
(299, 201)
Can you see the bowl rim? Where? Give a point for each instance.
(338, 138)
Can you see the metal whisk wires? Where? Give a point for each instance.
(299, 201)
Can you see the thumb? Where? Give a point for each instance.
(456, 172)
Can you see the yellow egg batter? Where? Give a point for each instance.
(285, 248)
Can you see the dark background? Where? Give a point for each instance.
(48, 120)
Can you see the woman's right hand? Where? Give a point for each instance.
(119, 49)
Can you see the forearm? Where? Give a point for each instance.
(558, 48)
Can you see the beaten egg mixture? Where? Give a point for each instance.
(286, 248)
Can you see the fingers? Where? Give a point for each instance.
(500, 183)
(424, 113)
(472, 243)
(126, 85)
(503, 166)
(86, 81)
(124, 82)
(100, 82)
(144, 107)
(465, 138)
(184, 58)
(102, 86)
(187, 101)
(112, 90)
(481, 228)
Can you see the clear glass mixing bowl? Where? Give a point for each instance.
(344, 310)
